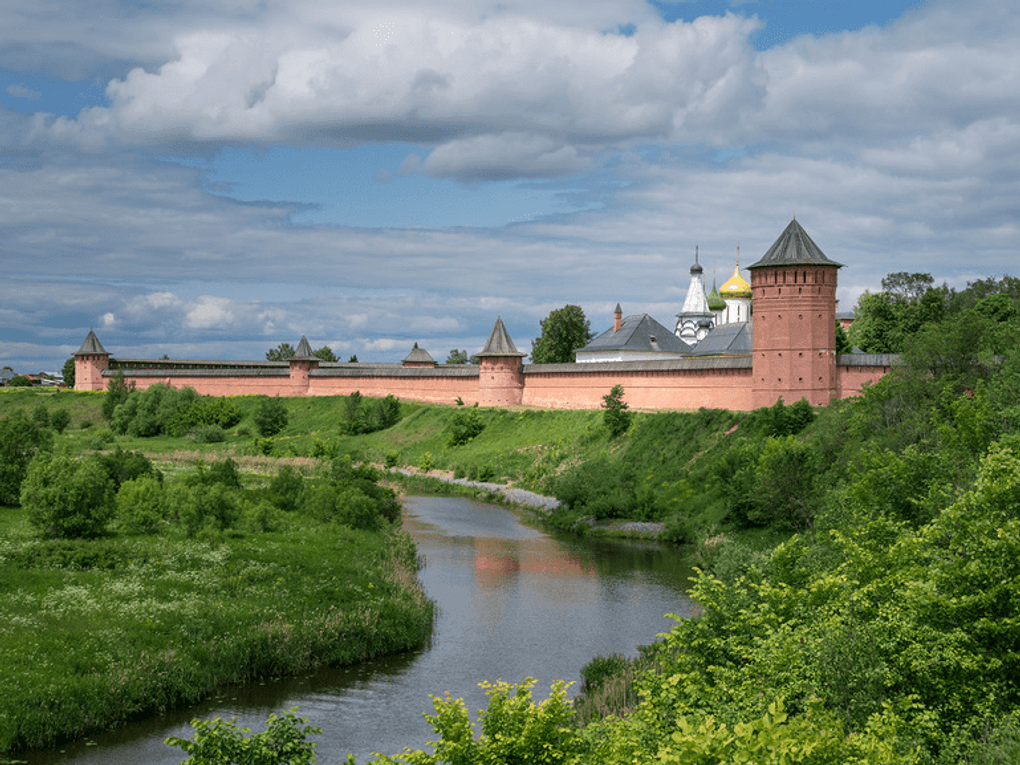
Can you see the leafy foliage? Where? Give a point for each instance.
(270, 416)
(282, 352)
(67, 497)
(514, 729)
(20, 440)
(615, 412)
(68, 372)
(457, 357)
(465, 425)
(218, 741)
(563, 332)
(368, 416)
(117, 392)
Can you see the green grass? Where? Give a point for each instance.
(92, 633)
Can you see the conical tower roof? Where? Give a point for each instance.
(304, 351)
(500, 343)
(794, 248)
(715, 301)
(91, 346)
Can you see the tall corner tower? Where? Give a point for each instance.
(793, 290)
(89, 363)
(500, 371)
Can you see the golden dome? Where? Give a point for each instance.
(736, 286)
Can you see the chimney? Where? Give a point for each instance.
(617, 318)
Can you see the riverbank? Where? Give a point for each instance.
(537, 504)
(94, 633)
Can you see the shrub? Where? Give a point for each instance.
(427, 462)
(67, 498)
(41, 415)
(285, 488)
(117, 393)
(98, 439)
(206, 507)
(222, 473)
(677, 530)
(124, 466)
(60, 419)
(217, 742)
(270, 416)
(465, 425)
(391, 459)
(208, 434)
(260, 517)
(616, 414)
(141, 506)
(20, 440)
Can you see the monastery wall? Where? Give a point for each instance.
(688, 383)
(723, 383)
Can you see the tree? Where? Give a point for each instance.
(19, 381)
(117, 392)
(20, 440)
(353, 359)
(68, 373)
(563, 332)
(325, 353)
(616, 415)
(282, 352)
(457, 357)
(270, 416)
(66, 497)
(907, 287)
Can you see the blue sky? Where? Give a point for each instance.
(207, 180)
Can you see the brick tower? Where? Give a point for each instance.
(89, 362)
(793, 290)
(301, 365)
(500, 371)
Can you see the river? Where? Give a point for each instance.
(513, 601)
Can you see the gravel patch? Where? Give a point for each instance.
(511, 494)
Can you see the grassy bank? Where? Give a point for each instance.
(95, 632)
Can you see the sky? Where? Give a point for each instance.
(207, 179)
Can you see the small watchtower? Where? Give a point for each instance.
(301, 364)
(500, 371)
(89, 363)
(793, 291)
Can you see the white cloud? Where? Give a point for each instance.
(20, 91)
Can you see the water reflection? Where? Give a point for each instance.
(513, 602)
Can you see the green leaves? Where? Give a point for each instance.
(563, 332)
(218, 742)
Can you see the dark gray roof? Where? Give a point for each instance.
(304, 351)
(420, 356)
(500, 343)
(794, 248)
(638, 333)
(91, 345)
(644, 365)
(726, 340)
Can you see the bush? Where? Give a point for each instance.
(270, 416)
(19, 381)
(20, 440)
(208, 434)
(202, 507)
(97, 439)
(117, 393)
(285, 489)
(465, 425)
(124, 466)
(427, 462)
(41, 415)
(60, 419)
(204, 412)
(391, 459)
(68, 498)
(221, 473)
(616, 414)
(141, 505)
(217, 742)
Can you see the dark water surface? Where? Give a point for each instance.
(513, 602)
